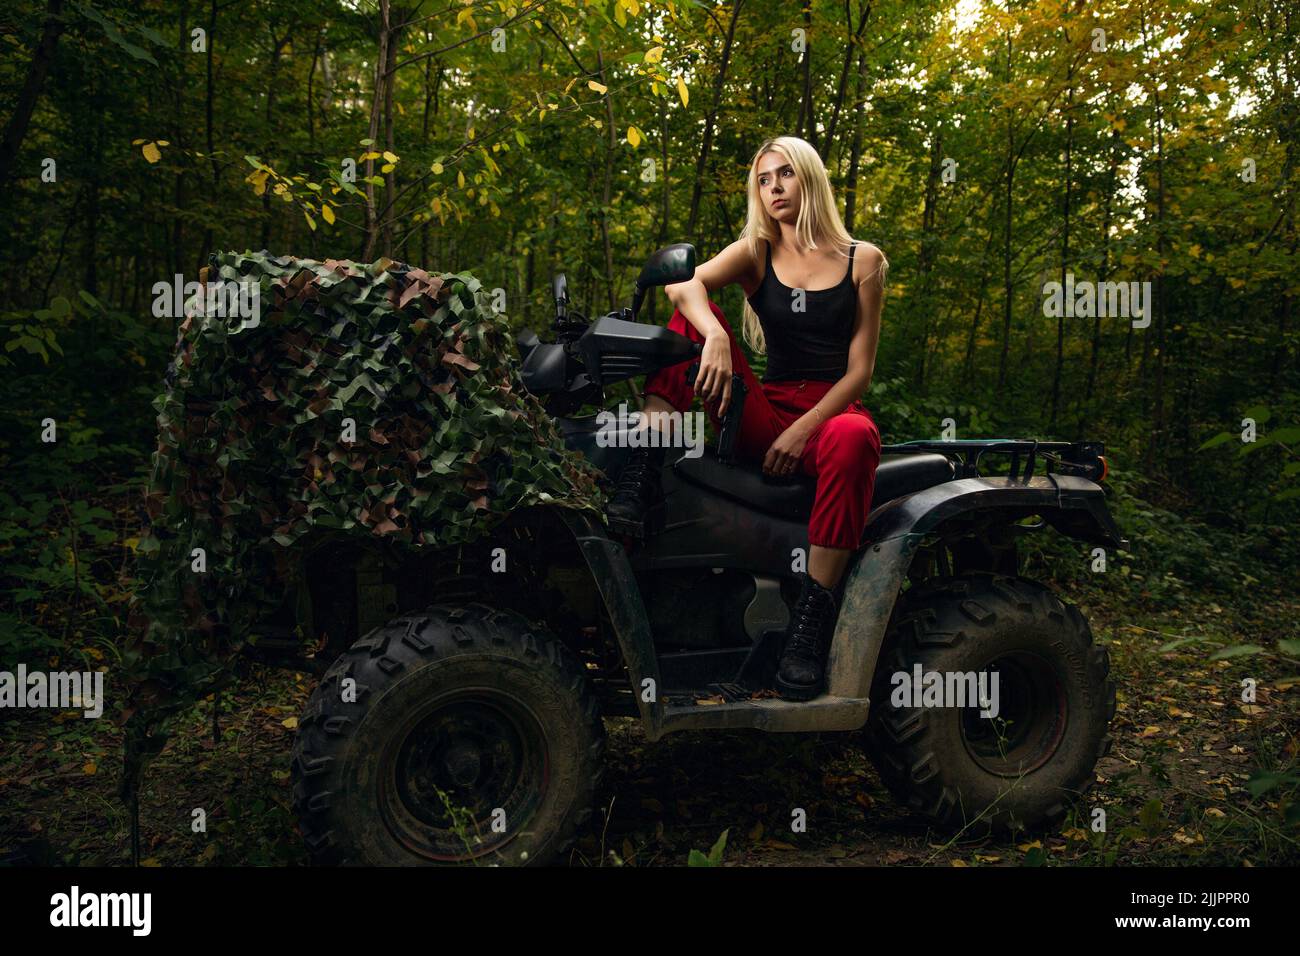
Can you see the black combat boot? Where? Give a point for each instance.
(803, 662)
(637, 489)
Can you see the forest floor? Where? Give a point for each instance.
(1177, 787)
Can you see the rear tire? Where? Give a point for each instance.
(474, 737)
(1056, 698)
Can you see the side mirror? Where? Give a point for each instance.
(671, 264)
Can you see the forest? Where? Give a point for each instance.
(1089, 214)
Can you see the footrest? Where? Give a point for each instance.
(731, 692)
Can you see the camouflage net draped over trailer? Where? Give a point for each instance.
(252, 465)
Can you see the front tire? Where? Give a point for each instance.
(1024, 768)
(450, 736)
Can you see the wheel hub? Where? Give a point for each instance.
(462, 768)
(1030, 722)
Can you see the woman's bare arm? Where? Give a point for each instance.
(732, 264)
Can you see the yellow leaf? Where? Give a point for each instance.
(163, 142)
(90, 768)
(460, 179)
(390, 156)
(387, 168)
(597, 87)
(327, 213)
(150, 861)
(681, 91)
(633, 136)
(654, 54)
(436, 169)
(311, 223)
(290, 722)
(151, 152)
(132, 543)
(368, 156)
(959, 863)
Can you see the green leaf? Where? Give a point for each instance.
(1181, 642)
(1262, 781)
(1289, 645)
(1150, 815)
(1260, 413)
(1218, 439)
(715, 854)
(1236, 650)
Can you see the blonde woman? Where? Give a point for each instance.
(813, 299)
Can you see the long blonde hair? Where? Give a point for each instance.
(819, 217)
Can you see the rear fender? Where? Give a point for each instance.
(874, 578)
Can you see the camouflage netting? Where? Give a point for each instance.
(252, 464)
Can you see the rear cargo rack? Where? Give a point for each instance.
(1059, 457)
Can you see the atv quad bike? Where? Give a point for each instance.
(463, 724)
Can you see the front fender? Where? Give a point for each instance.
(895, 530)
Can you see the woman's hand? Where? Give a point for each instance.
(783, 457)
(714, 377)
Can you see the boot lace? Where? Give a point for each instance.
(810, 621)
(632, 480)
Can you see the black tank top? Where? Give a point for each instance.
(813, 344)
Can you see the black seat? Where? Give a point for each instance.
(896, 476)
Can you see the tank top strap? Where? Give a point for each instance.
(853, 247)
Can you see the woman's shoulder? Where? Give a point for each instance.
(868, 262)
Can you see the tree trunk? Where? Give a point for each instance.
(851, 47)
(376, 107)
(855, 154)
(807, 120)
(1006, 244)
(1065, 246)
(37, 70)
(707, 146)
(607, 184)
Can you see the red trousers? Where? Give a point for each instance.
(842, 453)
